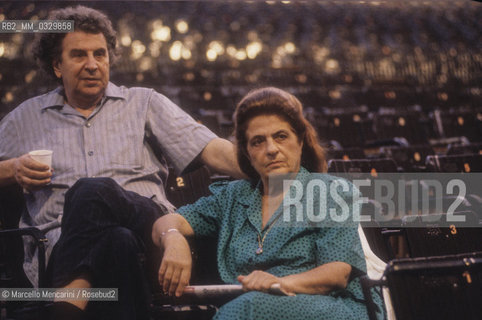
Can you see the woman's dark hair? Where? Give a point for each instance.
(48, 46)
(274, 101)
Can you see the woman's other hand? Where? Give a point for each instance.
(261, 281)
(175, 269)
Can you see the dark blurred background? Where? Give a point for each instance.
(363, 58)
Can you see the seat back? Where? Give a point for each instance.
(362, 166)
(456, 163)
(447, 287)
(430, 235)
(187, 188)
(409, 159)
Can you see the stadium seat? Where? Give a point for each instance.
(408, 159)
(433, 288)
(455, 163)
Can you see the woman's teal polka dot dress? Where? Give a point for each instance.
(233, 213)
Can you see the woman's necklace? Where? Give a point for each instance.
(261, 240)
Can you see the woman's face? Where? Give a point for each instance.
(273, 146)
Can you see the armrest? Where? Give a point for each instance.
(367, 284)
(39, 239)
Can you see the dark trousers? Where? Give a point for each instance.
(106, 233)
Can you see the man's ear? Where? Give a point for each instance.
(56, 66)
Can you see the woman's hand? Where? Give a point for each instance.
(175, 269)
(261, 281)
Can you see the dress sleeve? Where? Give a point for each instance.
(206, 214)
(180, 138)
(340, 240)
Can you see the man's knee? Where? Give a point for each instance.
(88, 187)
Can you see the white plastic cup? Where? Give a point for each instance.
(43, 156)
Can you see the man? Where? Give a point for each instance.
(108, 171)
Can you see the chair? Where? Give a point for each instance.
(431, 234)
(413, 126)
(408, 159)
(362, 166)
(472, 148)
(11, 254)
(443, 287)
(187, 188)
(455, 163)
(346, 154)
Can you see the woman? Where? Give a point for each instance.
(315, 264)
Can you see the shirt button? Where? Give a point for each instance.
(87, 124)
(90, 153)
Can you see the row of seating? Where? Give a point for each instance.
(361, 127)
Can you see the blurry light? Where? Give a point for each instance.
(253, 49)
(235, 25)
(161, 33)
(30, 7)
(34, 18)
(207, 96)
(157, 23)
(252, 36)
(29, 76)
(211, 55)
(270, 2)
(453, 52)
(139, 77)
(2, 49)
(189, 76)
(289, 47)
(155, 49)
(240, 55)
(281, 51)
(175, 51)
(276, 61)
(145, 64)
(17, 38)
(217, 47)
(285, 2)
(301, 78)
(126, 40)
(2, 16)
(231, 50)
(186, 53)
(138, 49)
(198, 37)
(331, 66)
(8, 97)
(182, 26)
(335, 95)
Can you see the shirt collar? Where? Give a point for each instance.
(55, 98)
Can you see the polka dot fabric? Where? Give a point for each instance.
(233, 213)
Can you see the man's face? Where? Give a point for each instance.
(84, 68)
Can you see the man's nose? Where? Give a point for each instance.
(91, 63)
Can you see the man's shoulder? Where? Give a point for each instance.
(36, 103)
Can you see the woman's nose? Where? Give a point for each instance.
(271, 147)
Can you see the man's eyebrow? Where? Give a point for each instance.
(77, 51)
(100, 50)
